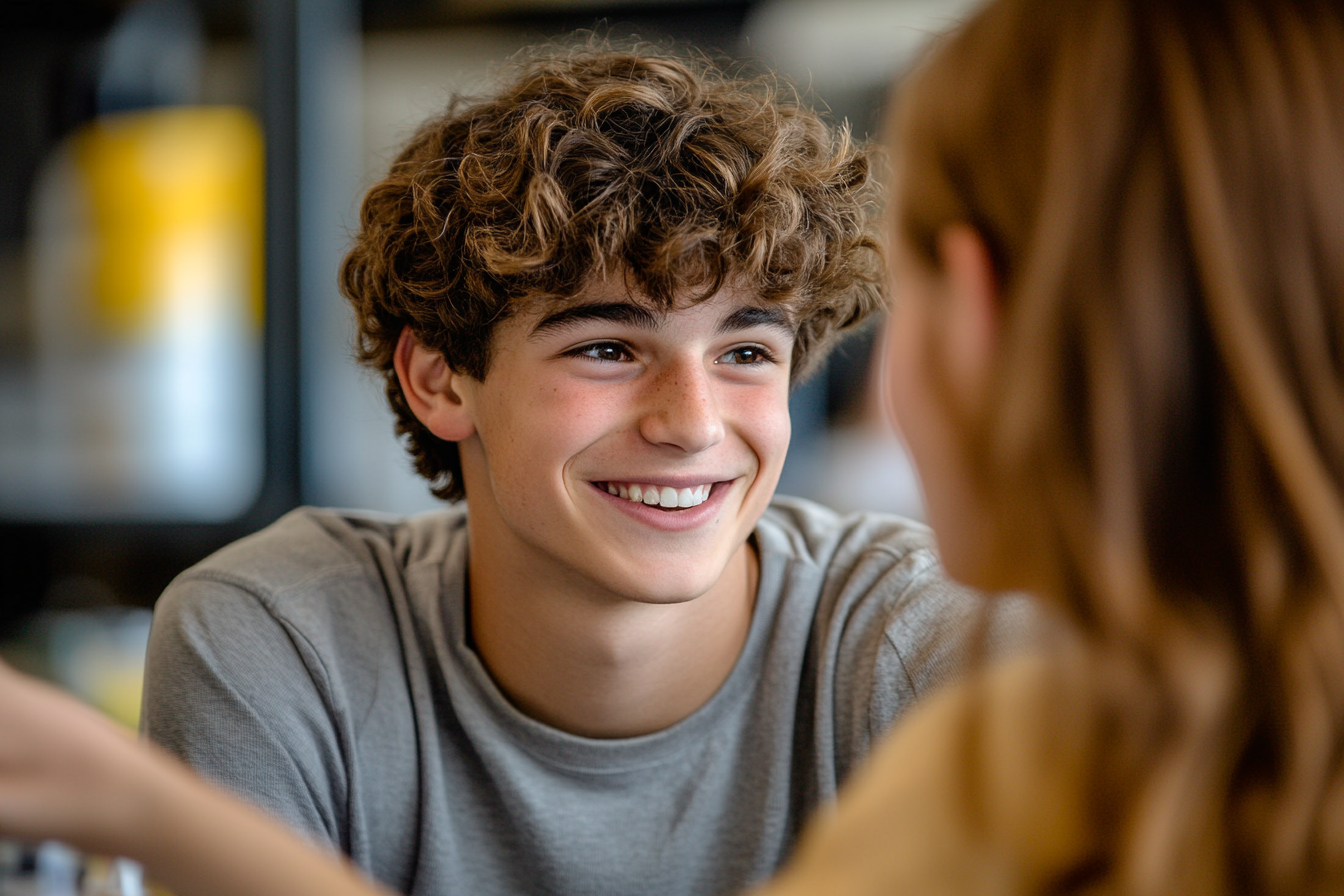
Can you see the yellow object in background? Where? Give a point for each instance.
(170, 189)
(145, 283)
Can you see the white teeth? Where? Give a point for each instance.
(661, 496)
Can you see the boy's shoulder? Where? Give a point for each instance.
(312, 603)
(310, 546)
(331, 583)
(813, 535)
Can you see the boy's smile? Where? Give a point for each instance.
(624, 451)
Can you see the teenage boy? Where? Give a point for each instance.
(619, 668)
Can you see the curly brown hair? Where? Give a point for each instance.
(668, 170)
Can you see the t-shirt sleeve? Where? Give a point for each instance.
(911, 632)
(240, 696)
(936, 632)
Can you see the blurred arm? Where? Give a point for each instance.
(66, 773)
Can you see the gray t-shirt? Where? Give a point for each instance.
(322, 669)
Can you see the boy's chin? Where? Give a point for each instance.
(674, 593)
(677, 587)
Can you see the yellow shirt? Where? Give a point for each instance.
(981, 790)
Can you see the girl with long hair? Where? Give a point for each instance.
(1117, 244)
(1117, 356)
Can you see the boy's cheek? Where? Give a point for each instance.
(765, 418)
(567, 396)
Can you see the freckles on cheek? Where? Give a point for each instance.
(569, 408)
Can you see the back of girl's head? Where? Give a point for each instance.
(1161, 189)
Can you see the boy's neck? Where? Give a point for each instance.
(602, 666)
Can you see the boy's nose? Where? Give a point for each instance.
(682, 410)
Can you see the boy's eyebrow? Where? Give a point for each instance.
(754, 316)
(614, 312)
(629, 313)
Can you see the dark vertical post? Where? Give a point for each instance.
(331, 164)
(277, 36)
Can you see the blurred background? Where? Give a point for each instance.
(178, 180)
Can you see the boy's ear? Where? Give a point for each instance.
(432, 389)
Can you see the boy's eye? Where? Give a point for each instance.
(746, 354)
(604, 351)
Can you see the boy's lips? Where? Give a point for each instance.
(670, 507)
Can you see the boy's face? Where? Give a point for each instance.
(605, 394)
